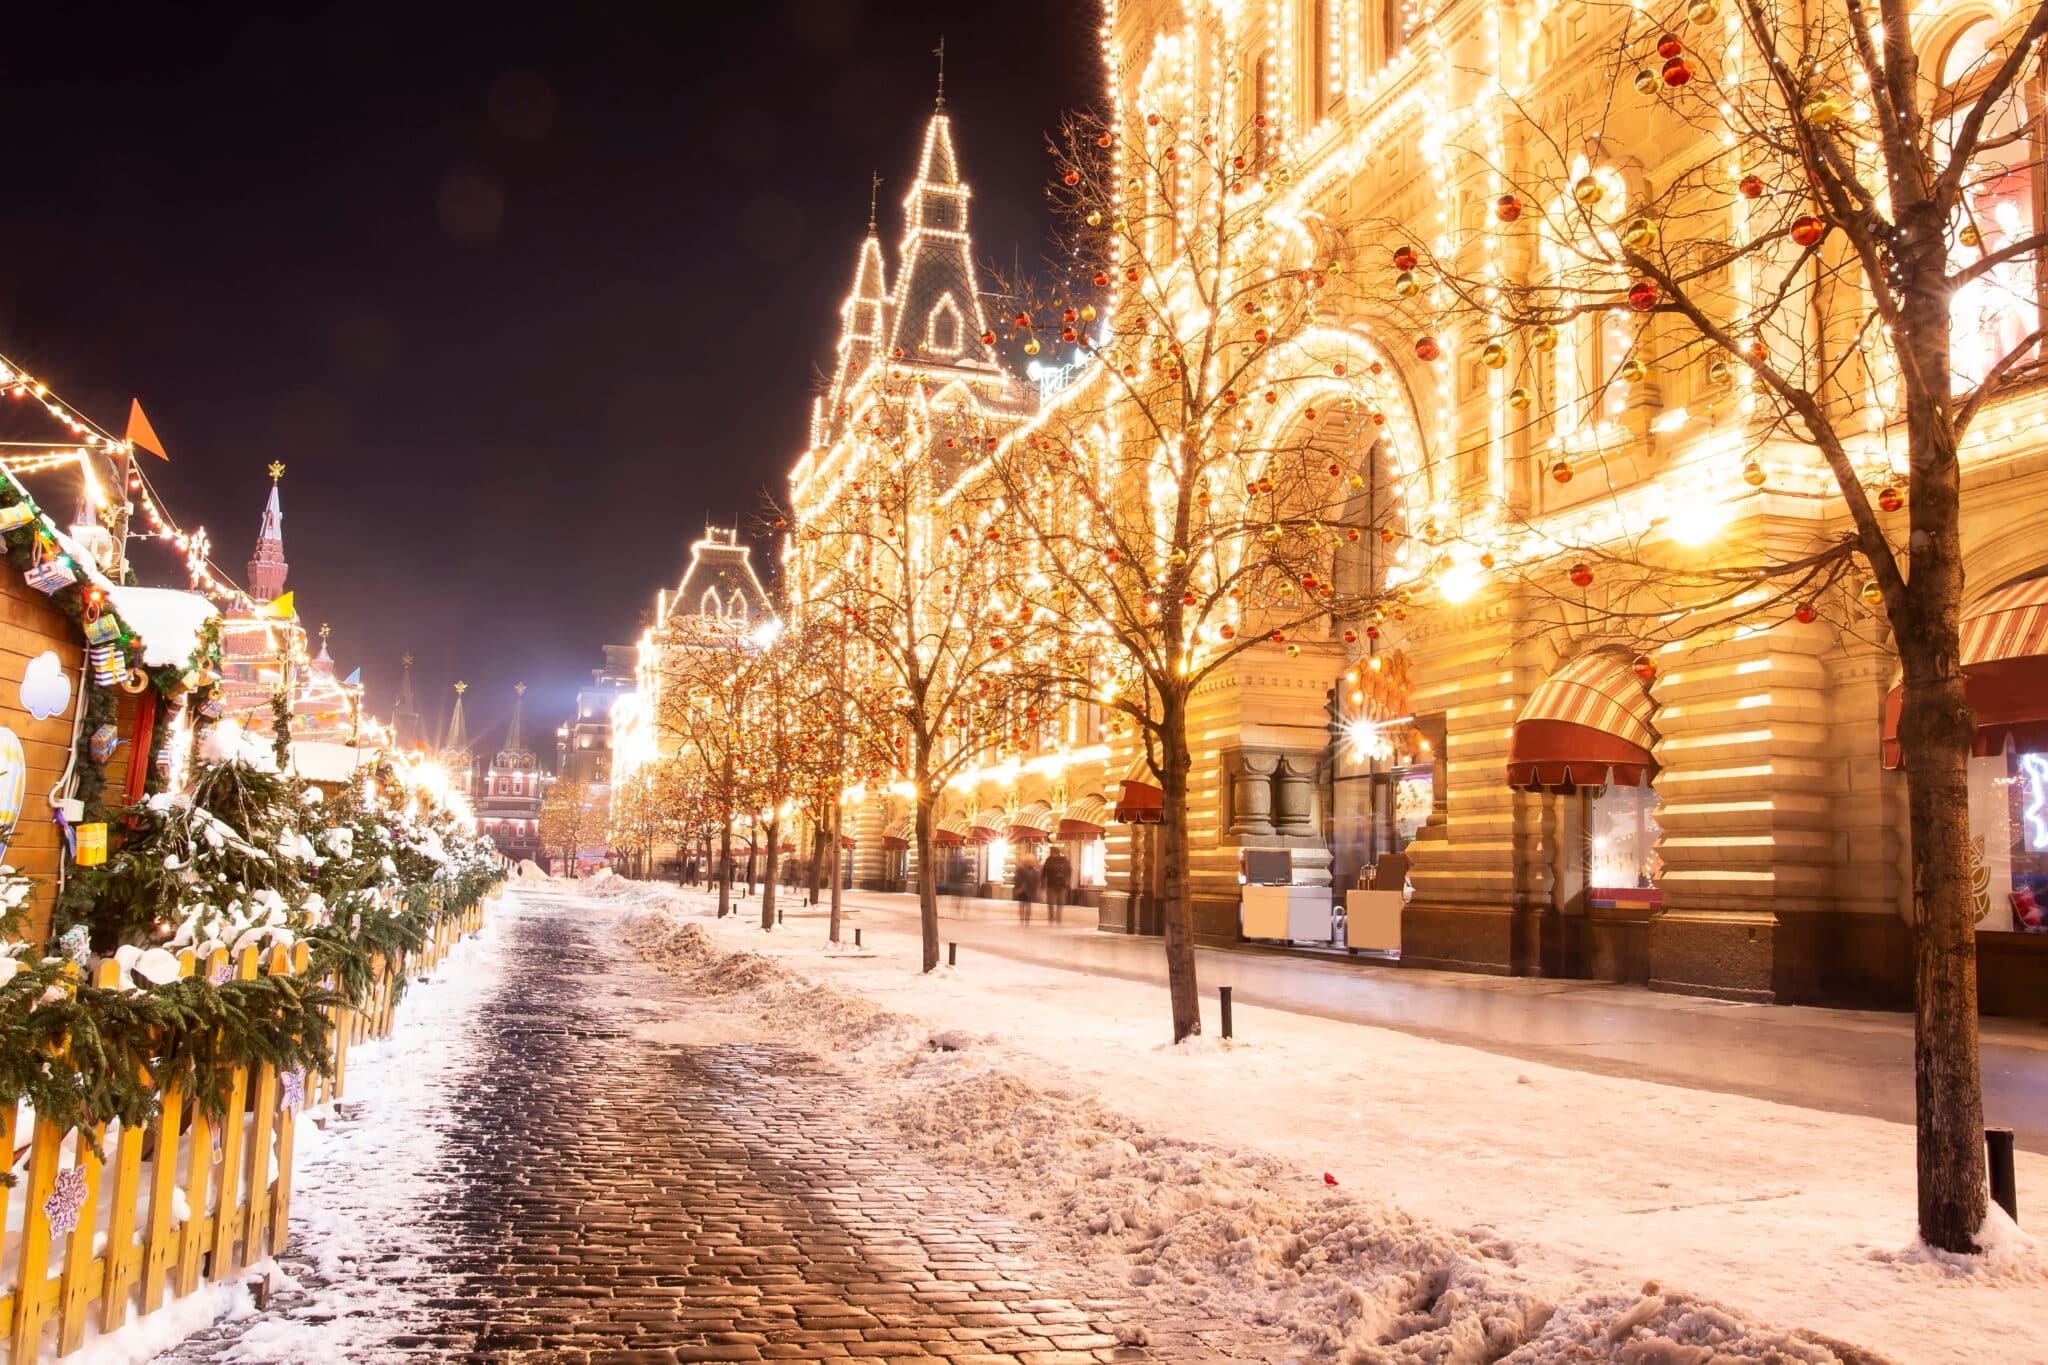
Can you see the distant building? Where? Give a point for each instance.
(405, 711)
(583, 743)
(456, 754)
(508, 807)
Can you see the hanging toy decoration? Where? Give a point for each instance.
(1809, 228)
(1582, 574)
(1507, 208)
(1890, 499)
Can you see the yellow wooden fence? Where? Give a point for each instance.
(105, 1234)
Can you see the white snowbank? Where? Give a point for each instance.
(171, 623)
(1347, 1275)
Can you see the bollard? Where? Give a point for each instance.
(952, 954)
(856, 937)
(778, 914)
(1223, 994)
(2004, 1186)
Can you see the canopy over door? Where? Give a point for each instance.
(2005, 671)
(1587, 725)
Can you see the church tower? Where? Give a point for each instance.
(405, 709)
(936, 319)
(456, 755)
(267, 569)
(508, 808)
(861, 321)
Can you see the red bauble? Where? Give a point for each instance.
(1752, 186)
(1809, 228)
(1427, 349)
(1642, 296)
(1804, 616)
(1562, 471)
(1890, 499)
(1677, 72)
(1372, 632)
(1279, 637)
(1103, 141)
(1101, 278)
(1507, 208)
(988, 338)
(1350, 637)
(1645, 667)
(1670, 45)
(1023, 319)
(1405, 258)
(1338, 369)
(1152, 120)
(1582, 574)
(1072, 177)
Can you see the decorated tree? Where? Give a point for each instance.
(903, 566)
(1801, 251)
(569, 819)
(1211, 481)
(704, 681)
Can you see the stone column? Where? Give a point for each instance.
(1251, 793)
(1294, 778)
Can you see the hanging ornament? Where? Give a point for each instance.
(1871, 593)
(1486, 559)
(1720, 373)
(1645, 667)
(1970, 236)
(1703, 11)
(1094, 220)
(1588, 190)
(1519, 398)
(1543, 337)
(1427, 349)
(1405, 258)
(1227, 631)
(1386, 535)
(1676, 72)
(1634, 371)
(1072, 177)
(1507, 208)
(988, 338)
(1670, 45)
(1645, 81)
(1405, 285)
(1753, 474)
(1639, 233)
(1087, 312)
(1642, 296)
(1294, 651)
(1031, 347)
(1751, 186)
(1562, 471)
(1582, 574)
(1805, 614)
(1809, 228)
(1493, 355)
(1890, 498)
(1822, 110)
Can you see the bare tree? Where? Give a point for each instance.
(1786, 214)
(1211, 482)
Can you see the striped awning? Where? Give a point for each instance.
(899, 832)
(1032, 824)
(1140, 799)
(1084, 817)
(954, 829)
(1586, 725)
(988, 827)
(2005, 671)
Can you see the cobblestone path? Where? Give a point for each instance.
(610, 1198)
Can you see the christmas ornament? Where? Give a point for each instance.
(1588, 190)
(1677, 72)
(1822, 110)
(1634, 371)
(15, 514)
(1890, 499)
(92, 844)
(1703, 11)
(1518, 398)
(1405, 285)
(1294, 651)
(1639, 233)
(1507, 208)
(1809, 228)
(1543, 337)
(1642, 296)
(1645, 81)
(1350, 637)
(1753, 474)
(1751, 186)
(1404, 258)
(1871, 593)
(1493, 355)
(1804, 615)
(1228, 632)
(102, 743)
(1426, 348)
(1582, 574)
(108, 666)
(102, 630)
(1094, 220)
(1645, 667)
(66, 1199)
(1386, 535)
(1562, 471)
(1970, 236)
(1669, 46)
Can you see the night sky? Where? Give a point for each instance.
(520, 294)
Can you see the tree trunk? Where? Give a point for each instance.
(769, 883)
(1178, 915)
(817, 860)
(927, 881)
(725, 870)
(753, 852)
(838, 852)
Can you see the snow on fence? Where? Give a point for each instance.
(144, 1224)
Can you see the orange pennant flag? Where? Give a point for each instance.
(141, 433)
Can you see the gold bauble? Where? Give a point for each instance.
(1588, 190)
(1969, 236)
(1518, 398)
(1822, 110)
(1639, 233)
(1119, 225)
(1405, 285)
(1094, 219)
(1753, 474)
(1871, 593)
(1646, 82)
(1634, 371)
(1703, 11)
(1543, 337)
(1031, 346)
(1493, 355)
(1719, 372)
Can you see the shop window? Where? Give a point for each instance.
(1992, 314)
(1091, 862)
(1622, 834)
(2008, 794)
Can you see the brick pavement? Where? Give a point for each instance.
(610, 1199)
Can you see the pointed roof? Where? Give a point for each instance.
(515, 754)
(458, 728)
(862, 319)
(273, 520)
(720, 574)
(936, 318)
(404, 704)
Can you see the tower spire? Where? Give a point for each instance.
(267, 568)
(512, 736)
(405, 709)
(458, 728)
(940, 52)
(935, 315)
(874, 189)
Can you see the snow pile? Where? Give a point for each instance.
(171, 624)
(1347, 1277)
(2009, 1256)
(530, 871)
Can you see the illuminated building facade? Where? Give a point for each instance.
(508, 803)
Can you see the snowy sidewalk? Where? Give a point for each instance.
(1845, 1061)
(1795, 1216)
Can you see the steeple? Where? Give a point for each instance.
(458, 729)
(936, 316)
(405, 708)
(267, 569)
(861, 320)
(512, 744)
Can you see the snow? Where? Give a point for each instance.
(1481, 1199)
(171, 623)
(325, 761)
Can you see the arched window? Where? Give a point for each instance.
(504, 786)
(943, 328)
(736, 609)
(709, 605)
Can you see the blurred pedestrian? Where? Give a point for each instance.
(1025, 884)
(1057, 877)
